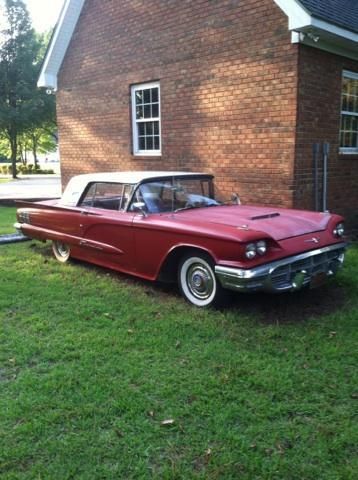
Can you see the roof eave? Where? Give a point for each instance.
(317, 33)
(59, 43)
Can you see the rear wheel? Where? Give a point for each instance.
(197, 281)
(61, 251)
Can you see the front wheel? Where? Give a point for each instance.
(61, 251)
(197, 281)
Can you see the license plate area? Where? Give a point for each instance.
(318, 280)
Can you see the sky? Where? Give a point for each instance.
(44, 13)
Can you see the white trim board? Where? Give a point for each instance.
(323, 35)
(59, 43)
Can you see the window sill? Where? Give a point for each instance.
(348, 151)
(146, 157)
(348, 155)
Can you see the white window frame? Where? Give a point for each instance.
(348, 150)
(136, 122)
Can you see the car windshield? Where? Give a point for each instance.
(175, 194)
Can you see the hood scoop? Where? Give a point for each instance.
(265, 216)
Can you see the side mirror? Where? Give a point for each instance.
(235, 199)
(139, 207)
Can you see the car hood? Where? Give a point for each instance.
(278, 223)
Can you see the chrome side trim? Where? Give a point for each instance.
(17, 227)
(261, 278)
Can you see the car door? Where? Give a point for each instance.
(106, 229)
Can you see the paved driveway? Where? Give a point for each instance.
(31, 187)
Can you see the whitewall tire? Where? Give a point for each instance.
(61, 251)
(197, 281)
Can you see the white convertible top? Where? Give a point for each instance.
(77, 184)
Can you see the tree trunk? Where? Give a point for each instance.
(13, 146)
(34, 150)
(21, 152)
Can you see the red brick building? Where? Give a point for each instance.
(239, 88)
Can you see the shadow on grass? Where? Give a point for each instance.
(265, 308)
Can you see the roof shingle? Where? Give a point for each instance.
(343, 13)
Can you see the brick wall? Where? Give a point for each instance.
(228, 76)
(319, 104)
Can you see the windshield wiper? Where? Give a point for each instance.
(187, 207)
(199, 205)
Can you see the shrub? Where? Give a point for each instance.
(26, 170)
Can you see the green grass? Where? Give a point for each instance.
(7, 220)
(92, 362)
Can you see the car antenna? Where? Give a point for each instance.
(172, 194)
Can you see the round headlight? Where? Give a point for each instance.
(250, 251)
(339, 230)
(261, 247)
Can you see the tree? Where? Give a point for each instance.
(23, 107)
(41, 139)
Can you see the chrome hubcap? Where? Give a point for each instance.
(62, 249)
(200, 281)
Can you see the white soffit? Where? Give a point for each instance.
(59, 43)
(318, 33)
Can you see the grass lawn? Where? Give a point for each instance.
(92, 363)
(7, 220)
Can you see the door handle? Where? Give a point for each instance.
(86, 213)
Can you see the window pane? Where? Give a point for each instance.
(108, 196)
(149, 129)
(346, 139)
(156, 128)
(355, 87)
(139, 112)
(141, 129)
(147, 113)
(155, 110)
(350, 103)
(355, 124)
(156, 143)
(141, 143)
(146, 96)
(149, 143)
(139, 97)
(155, 95)
(345, 85)
(88, 198)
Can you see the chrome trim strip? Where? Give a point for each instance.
(238, 278)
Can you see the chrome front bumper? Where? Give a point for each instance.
(288, 274)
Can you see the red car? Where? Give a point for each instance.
(169, 225)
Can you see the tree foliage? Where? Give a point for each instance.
(25, 110)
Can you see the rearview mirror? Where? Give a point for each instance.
(235, 199)
(139, 207)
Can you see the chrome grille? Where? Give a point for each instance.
(282, 276)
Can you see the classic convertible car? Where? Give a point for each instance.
(169, 225)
